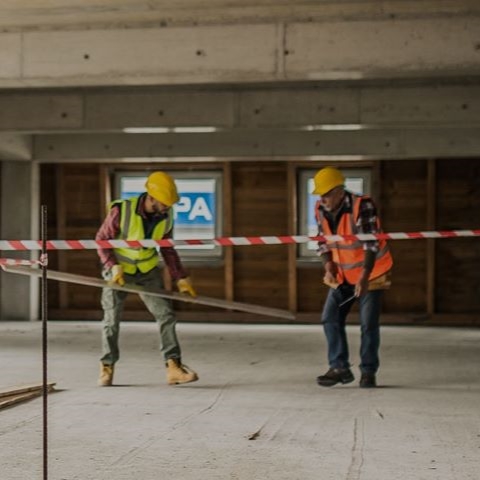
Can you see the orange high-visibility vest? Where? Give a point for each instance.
(349, 255)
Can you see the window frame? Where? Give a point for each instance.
(189, 253)
(306, 252)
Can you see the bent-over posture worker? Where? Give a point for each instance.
(354, 270)
(148, 216)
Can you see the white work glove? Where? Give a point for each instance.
(117, 275)
(185, 286)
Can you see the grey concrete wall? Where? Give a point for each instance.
(18, 296)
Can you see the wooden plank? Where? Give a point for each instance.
(61, 202)
(105, 191)
(8, 402)
(96, 282)
(228, 231)
(430, 244)
(292, 227)
(19, 395)
(25, 389)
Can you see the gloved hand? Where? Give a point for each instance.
(117, 275)
(330, 280)
(185, 286)
(330, 277)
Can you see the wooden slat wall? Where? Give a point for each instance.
(458, 260)
(49, 194)
(404, 209)
(260, 207)
(259, 203)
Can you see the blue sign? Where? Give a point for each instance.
(195, 209)
(195, 213)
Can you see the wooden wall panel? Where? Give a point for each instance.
(311, 292)
(458, 260)
(260, 206)
(48, 196)
(404, 209)
(76, 217)
(259, 193)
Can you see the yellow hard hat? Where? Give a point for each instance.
(161, 187)
(326, 179)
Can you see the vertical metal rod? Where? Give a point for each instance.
(44, 339)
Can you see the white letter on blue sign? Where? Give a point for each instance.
(200, 209)
(183, 206)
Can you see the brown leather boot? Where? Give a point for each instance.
(106, 375)
(368, 380)
(178, 373)
(334, 376)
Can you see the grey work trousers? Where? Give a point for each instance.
(160, 308)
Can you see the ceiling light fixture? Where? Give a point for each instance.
(334, 127)
(203, 129)
(147, 130)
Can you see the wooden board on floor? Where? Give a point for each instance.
(14, 396)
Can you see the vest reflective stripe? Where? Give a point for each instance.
(125, 222)
(353, 246)
(123, 259)
(349, 255)
(351, 266)
(131, 228)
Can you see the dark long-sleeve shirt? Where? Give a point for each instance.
(110, 229)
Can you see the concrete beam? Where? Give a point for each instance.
(149, 56)
(10, 56)
(19, 220)
(383, 48)
(369, 143)
(423, 46)
(65, 14)
(374, 106)
(413, 106)
(34, 111)
(14, 146)
(110, 111)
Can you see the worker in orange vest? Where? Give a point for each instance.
(354, 271)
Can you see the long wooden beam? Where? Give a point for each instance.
(200, 300)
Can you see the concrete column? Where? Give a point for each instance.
(19, 295)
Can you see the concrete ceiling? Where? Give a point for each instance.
(272, 79)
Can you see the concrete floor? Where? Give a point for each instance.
(256, 412)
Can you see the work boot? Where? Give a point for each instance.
(368, 380)
(106, 375)
(178, 373)
(334, 376)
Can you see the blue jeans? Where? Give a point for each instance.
(160, 308)
(334, 319)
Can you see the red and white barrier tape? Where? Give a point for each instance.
(16, 261)
(42, 261)
(227, 241)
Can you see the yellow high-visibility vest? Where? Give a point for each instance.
(131, 228)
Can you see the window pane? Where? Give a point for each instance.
(356, 180)
(197, 214)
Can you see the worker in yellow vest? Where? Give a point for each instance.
(354, 271)
(148, 216)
